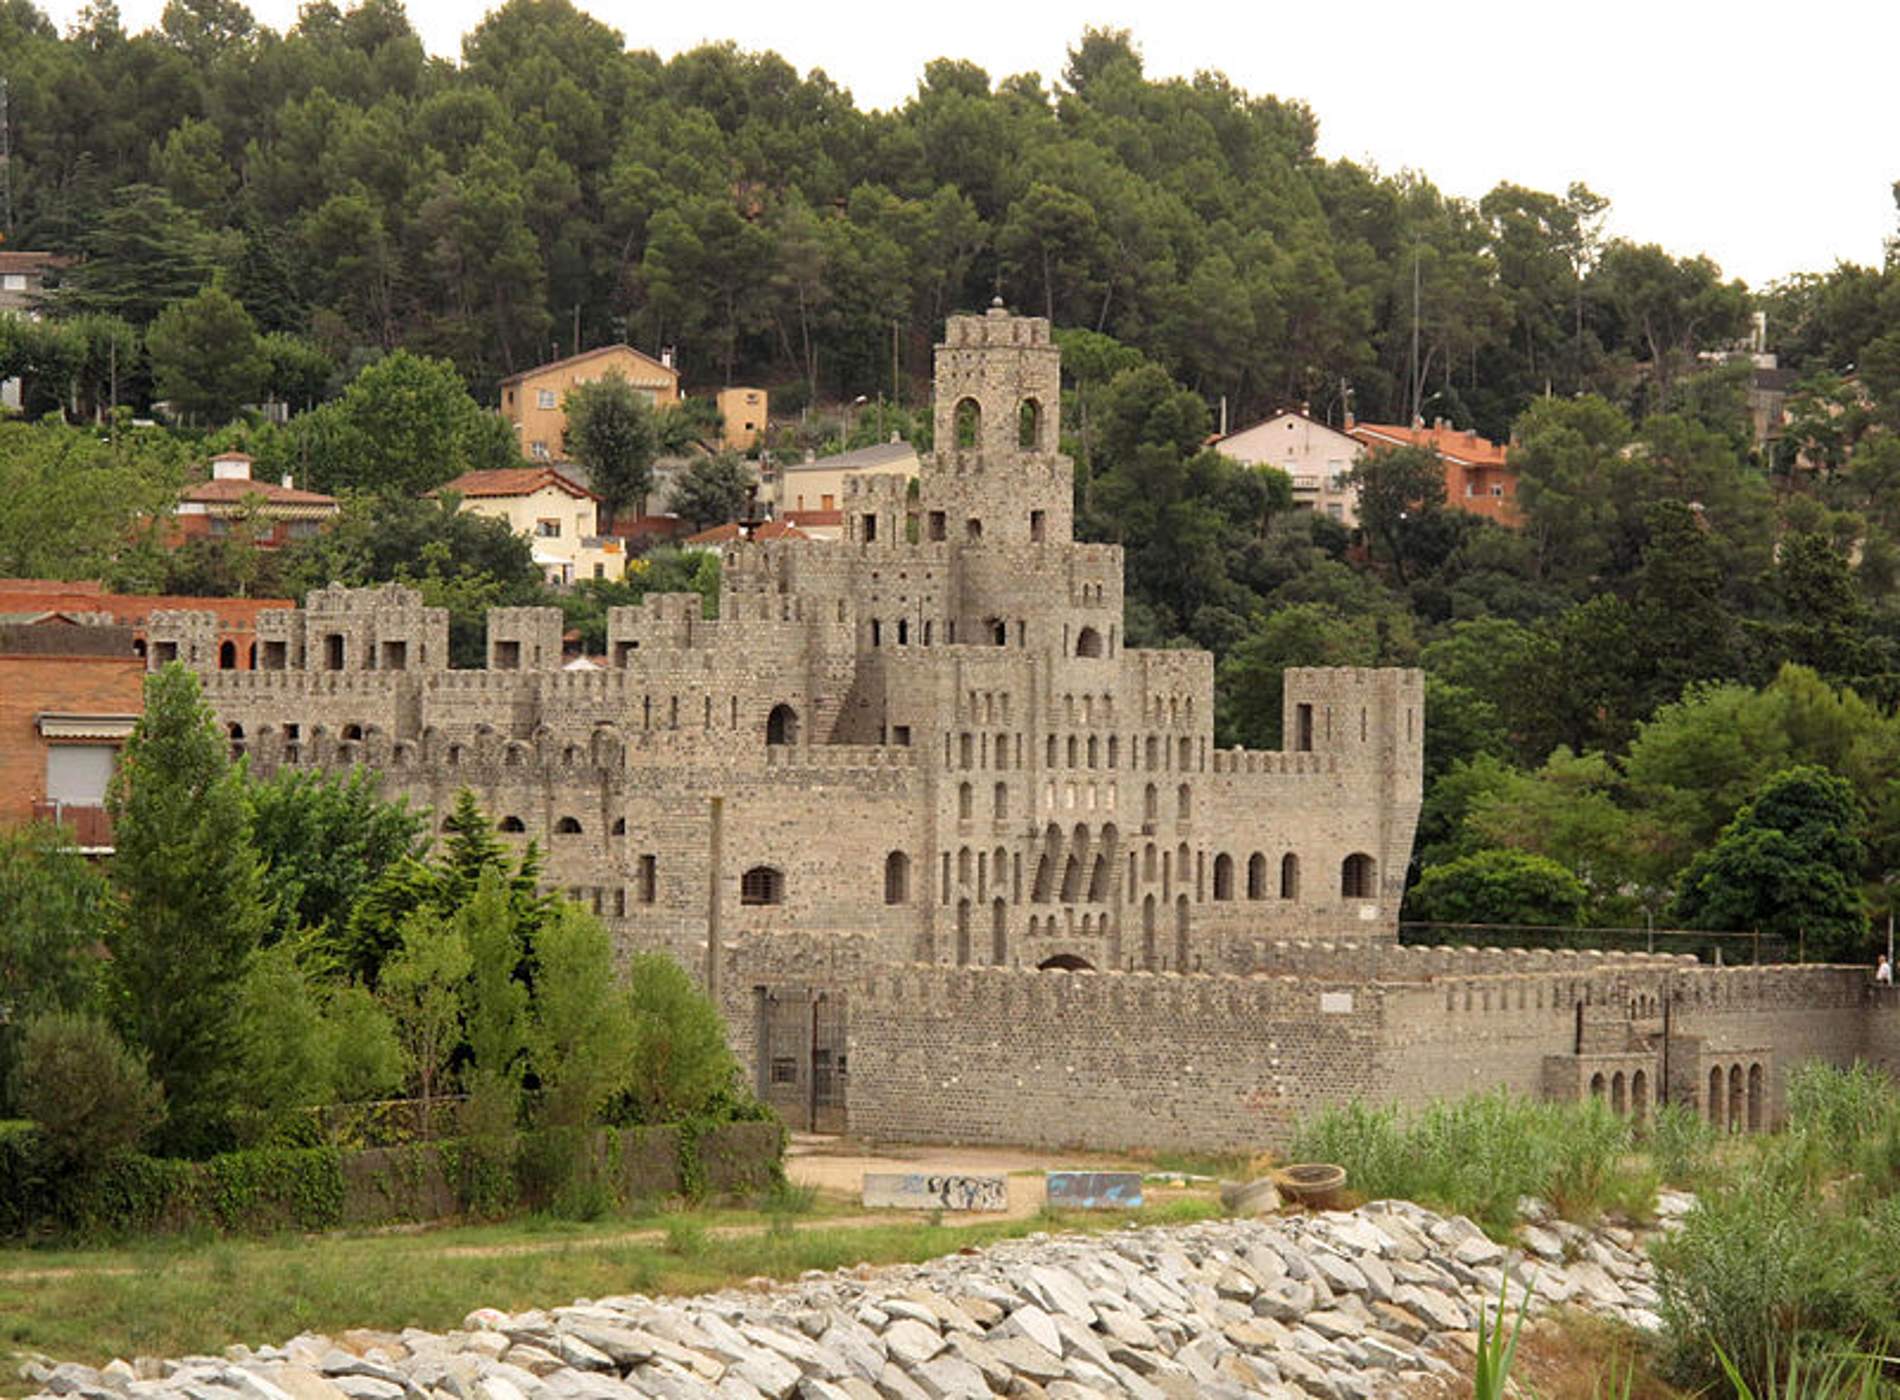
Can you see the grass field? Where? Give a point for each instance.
(189, 1295)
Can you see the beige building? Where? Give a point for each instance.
(810, 494)
(1317, 457)
(743, 413)
(531, 400)
(559, 517)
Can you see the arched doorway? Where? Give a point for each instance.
(781, 726)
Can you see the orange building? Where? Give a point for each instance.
(25, 598)
(531, 400)
(70, 691)
(1478, 478)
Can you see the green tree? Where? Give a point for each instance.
(188, 905)
(611, 431)
(582, 1037)
(421, 985)
(366, 1056)
(712, 491)
(287, 1055)
(1399, 491)
(206, 360)
(680, 1063)
(1251, 680)
(143, 254)
(1497, 887)
(91, 1096)
(324, 839)
(1789, 863)
(55, 903)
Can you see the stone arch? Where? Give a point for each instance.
(1071, 879)
(512, 825)
(1756, 1086)
(1716, 1096)
(1098, 879)
(1088, 643)
(762, 884)
(1256, 876)
(896, 878)
(1619, 1093)
(1029, 425)
(963, 933)
(567, 826)
(1639, 1096)
(1065, 962)
(1356, 876)
(1597, 1086)
(781, 726)
(999, 932)
(1148, 932)
(967, 419)
(1289, 876)
(1223, 876)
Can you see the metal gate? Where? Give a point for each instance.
(802, 1071)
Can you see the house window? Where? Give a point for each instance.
(13, 282)
(548, 529)
(544, 398)
(303, 529)
(540, 451)
(825, 503)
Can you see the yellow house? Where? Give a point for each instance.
(810, 494)
(531, 400)
(743, 412)
(559, 517)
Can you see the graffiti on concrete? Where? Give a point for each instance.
(1095, 1190)
(935, 1191)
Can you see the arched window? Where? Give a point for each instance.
(1289, 876)
(1223, 876)
(1181, 933)
(969, 423)
(1355, 877)
(965, 802)
(512, 825)
(1256, 876)
(999, 933)
(781, 726)
(1150, 803)
(1148, 933)
(1000, 807)
(1088, 642)
(1597, 1086)
(999, 629)
(896, 878)
(973, 530)
(1715, 1096)
(1183, 803)
(620, 826)
(762, 885)
(1029, 424)
(227, 656)
(567, 826)
(1065, 962)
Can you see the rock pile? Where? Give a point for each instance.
(1338, 1306)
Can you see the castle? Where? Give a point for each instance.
(905, 786)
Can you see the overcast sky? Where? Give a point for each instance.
(1764, 136)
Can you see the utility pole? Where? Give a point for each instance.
(1412, 372)
(6, 166)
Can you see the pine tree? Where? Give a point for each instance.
(189, 907)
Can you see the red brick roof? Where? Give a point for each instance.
(513, 481)
(1454, 444)
(127, 609)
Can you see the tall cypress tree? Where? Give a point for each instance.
(188, 911)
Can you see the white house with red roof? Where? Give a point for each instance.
(1319, 458)
(559, 517)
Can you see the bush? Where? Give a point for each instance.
(681, 1066)
(92, 1098)
(1478, 1154)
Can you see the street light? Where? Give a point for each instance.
(855, 404)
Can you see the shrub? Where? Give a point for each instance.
(1682, 1144)
(681, 1065)
(92, 1097)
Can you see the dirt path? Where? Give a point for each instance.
(834, 1167)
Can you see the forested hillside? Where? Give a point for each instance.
(1639, 703)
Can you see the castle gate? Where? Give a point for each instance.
(802, 1071)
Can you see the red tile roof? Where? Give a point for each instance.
(231, 490)
(770, 530)
(815, 517)
(127, 609)
(514, 481)
(1465, 448)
